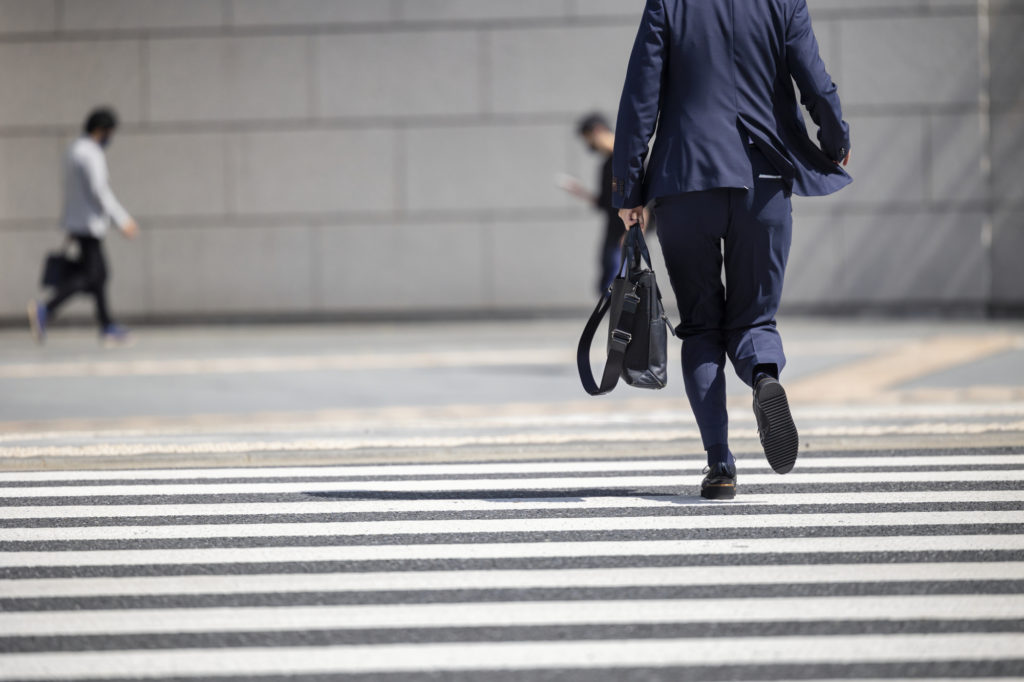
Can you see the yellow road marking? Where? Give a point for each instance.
(866, 379)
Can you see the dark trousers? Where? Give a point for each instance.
(611, 261)
(90, 276)
(749, 232)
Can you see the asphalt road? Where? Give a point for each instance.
(602, 569)
(441, 502)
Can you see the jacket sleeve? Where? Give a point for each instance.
(817, 91)
(639, 107)
(97, 178)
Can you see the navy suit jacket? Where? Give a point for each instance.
(714, 76)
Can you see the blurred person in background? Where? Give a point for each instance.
(89, 207)
(716, 79)
(597, 134)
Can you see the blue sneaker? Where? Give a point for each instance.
(114, 335)
(37, 317)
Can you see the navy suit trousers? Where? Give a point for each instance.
(749, 232)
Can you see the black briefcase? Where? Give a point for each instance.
(57, 268)
(638, 328)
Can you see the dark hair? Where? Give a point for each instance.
(101, 118)
(588, 123)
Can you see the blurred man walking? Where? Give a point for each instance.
(89, 207)
(716, 78)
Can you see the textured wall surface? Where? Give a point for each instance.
(312, 157)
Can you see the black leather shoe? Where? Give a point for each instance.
(719, 483)
(775, 425)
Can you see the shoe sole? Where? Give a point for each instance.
(782, 443)
(718, 492)
(33, 323)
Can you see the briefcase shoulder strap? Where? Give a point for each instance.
(618, 342)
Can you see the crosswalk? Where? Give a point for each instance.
(856, 566)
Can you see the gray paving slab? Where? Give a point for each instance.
(317, 393)
(814, 347)
(1004, 369)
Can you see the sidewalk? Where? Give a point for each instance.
(309, 394)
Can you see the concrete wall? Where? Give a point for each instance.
(318, 157)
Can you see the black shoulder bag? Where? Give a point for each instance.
(638, 328)
(58, 266)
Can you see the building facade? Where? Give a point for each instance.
(316, 158)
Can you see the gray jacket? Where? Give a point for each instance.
(89, 203)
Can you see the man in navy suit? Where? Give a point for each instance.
(715, 77)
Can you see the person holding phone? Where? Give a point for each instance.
(597, 135)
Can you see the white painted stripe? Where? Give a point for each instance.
(340, 444)
(470, 469)
(490, 469)
(146, 557)
(506, 614)
(514, 525)
(460, 485)
(466, 438)
(463, 656)
(939, 428)
(903, 679)
(413, 581)
(285, 363)
(874, 413)
(537, 415)
(361, 486)
(328, 506)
